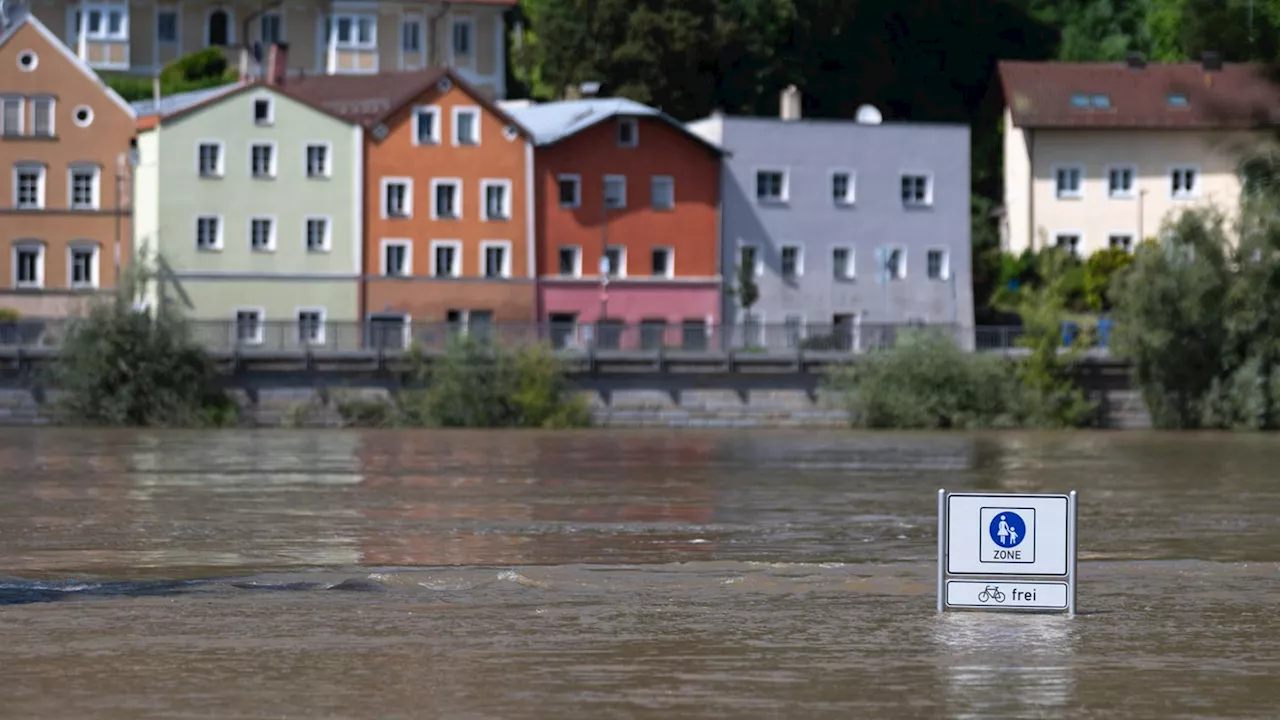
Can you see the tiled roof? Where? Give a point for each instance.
(181, 101)
(1114, 95)
(18, 16)
(555, 121)
(366, 99)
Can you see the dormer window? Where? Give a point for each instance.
(1080, 101)
(1177, 100)
(1100, 102)
(628, 132)
(1085, 101)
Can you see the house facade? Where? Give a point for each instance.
(65, 176)
(620, 182)
(448, 231)
(1099, 155)
(842, 224)
(362, 37)
(250, 203)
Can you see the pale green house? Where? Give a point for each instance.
(249, 204)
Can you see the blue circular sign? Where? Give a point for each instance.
(1007, 529)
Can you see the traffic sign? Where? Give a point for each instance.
(1005, 537)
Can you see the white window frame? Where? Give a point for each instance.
(177, 26)
(1067, 194)
(280, 23)
(945, 270)
(219, 236)
(39, 248)
(273, 228)
(259, 337)
(1195, 190)
(1133, 239)
(103, 34)
(851, 267)
(35, 101)
(406, 21)
(435, 124)
(621, 272)
(507, 204)
(758, 270)
(273, 165)
(851, 190)
(901, 274)
(457, 198)
(634, 124)
(96, 252)
(220, 169)
(385, 184)
(474, 111)
(354, 43)
(671, 261)
(271, 110)
(326, 171)
(471, 38)
(577, 190)
(408, 255)
(327, 245)
(799, 261)
(505, 271)
(323, 325)
(1078, 251)
(42, 184)
(784, 195)
(95, 192)
(88, 116)
(604, 188)
(927, 201)
(654, 182)
(577, 260)
(456, 245)
(22, 114)
(1132, 192)
(32, 57)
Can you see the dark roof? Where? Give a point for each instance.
(206, 99)
(1062, 95)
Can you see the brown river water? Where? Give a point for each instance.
(600, 574)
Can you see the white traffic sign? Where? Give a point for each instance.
(999, 535)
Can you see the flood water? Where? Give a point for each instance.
(758, 574)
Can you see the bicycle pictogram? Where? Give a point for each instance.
(991, 592)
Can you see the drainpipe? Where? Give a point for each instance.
(433, 56)
(1031, 189)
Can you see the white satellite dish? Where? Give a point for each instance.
(869, 115)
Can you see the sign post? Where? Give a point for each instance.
(1009, 552)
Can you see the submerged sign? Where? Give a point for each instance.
(1003, 538)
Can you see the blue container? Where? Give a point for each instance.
(1069, 332)
(1104, 332)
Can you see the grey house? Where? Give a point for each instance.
(852, 227)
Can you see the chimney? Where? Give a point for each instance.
(1211, 60)
(1135, 60)
(277, 64)
(789, 107)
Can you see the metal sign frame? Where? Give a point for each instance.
(995, 580)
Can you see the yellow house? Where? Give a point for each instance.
(324, 36)
(1097, 155)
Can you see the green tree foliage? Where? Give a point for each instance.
(1101, 269)
(204, 69)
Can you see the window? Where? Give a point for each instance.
(462, 36)
(771, 186)
(794, 325)
(105, 22)
(28, 265)
(497, 199)
(82, 266)
(318, 161)
(263, 111)
(28, 187)
(411, 36)
(1067, 181)
(11, 116)
(84, 188)
(1177, 100)
(917, 190)
(27, 61)
(83, 116)
(209, 160)
(352, 32)
(842, 263)
(1080, 101)
(791, 262)
(664, 262)
(616, 258)
(446, 258)
(615, 192)
(426, 125)
(249, 327)
(496, 256)
(270, 29)
(218, 29)
(466, 126)
(1184, 182)
(446, 199)
(1120, 181)
(628, 132)
(396, 258)
(663, 191)
(1120, 241)
(1069, 242)
(570, 261)
(42, 117)
(262, 234)
(749, 257)
(397, 197)
(167, 27)
(318, 236)
(311, 326)
(895, 264)
(569, 188)
(937, 265)
(842, 188)
(208, 232)
(262, 160)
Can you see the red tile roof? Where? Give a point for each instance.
(1040, 95)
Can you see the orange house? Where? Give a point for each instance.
(448, 201)
(622, 182)
(65, 175)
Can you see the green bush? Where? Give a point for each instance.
(197, 71)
